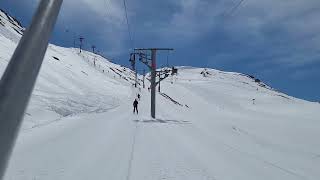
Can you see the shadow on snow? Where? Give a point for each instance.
(162, 121)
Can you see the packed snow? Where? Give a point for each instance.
(210, 125)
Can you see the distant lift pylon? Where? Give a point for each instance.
(152, 65)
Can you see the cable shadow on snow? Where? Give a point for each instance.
(161, 121)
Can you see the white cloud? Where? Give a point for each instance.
(100, 21)
(195, 18)
(287, 29)
(112, 10)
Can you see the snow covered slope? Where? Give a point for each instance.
(69, 83)
(79, 124)
(9, 25)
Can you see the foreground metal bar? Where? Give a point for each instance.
(17, 83)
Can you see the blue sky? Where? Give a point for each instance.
(276, 41)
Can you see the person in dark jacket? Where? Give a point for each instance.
(135, 106)
(139, 97)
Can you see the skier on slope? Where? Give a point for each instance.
(135, 106)
(139, 97)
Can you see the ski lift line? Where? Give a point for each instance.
(128, 24)
(168, 58)
(86, 44)
(107, 3)
(233, 9)
(133, 145)
(17, 82)
(226, 14)
(74, 36)
(236, 7)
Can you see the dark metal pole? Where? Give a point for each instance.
(159, 81)
(135, 71)
(81, 40)
(18, 80)
(93, 48)
(153, 82)
(74, 39)
(136, 79)
(153, 69)
(144, 75)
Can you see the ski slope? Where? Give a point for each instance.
(79, 124)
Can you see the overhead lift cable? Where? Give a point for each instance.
(227, 13)
(128, 24)
(233, 9)
(236, 7)
(107, 5)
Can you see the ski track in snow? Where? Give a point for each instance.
(249, 155)
(132, 151)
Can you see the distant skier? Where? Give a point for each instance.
(135, 106)
(139, 97)
(253, 101)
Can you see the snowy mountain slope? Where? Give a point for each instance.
(9, 25)
(79, 125)
(69, 82)
(71, 85)
(223, 135)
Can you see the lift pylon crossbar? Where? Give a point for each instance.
(144, 58)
